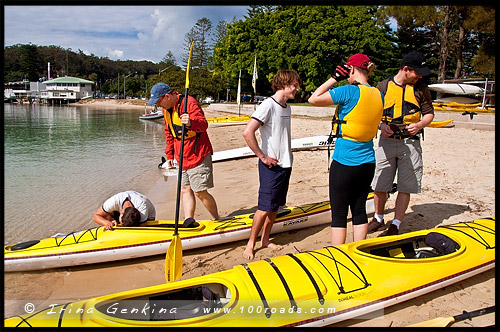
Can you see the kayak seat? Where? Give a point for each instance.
(183, 311)
(425, 254)
(188, 303)
(281, 213)
(401, 250)
(188, 223)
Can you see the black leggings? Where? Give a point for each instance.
(349, 187)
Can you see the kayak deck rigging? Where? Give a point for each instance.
(339, 264)
(477, 228)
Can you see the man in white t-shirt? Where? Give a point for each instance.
(128, 208)
(272, 118)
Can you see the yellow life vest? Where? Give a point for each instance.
(361, 123)
(173, 121)
(400, 104)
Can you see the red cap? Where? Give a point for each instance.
(359, 60)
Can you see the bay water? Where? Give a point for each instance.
(62, 162)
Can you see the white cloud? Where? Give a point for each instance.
(119, 32)
(115, 54)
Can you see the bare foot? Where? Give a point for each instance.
(272, 246)
(248, 253)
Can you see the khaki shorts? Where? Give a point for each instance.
(200, 178)
(403, 155)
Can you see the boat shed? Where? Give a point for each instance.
(66, 89)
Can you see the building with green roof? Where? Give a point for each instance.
(67, 88)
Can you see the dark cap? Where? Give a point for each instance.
(157, 91)
(416, 60)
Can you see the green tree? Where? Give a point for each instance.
(255, 10)
(480, 20)
(29, 61)
(168, 59)
(200, 34)
(220, 32)
(455, 39)
(312, 40)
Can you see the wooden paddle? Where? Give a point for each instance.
(173, 260)
(447, 321)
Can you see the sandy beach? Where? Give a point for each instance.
(458, 185)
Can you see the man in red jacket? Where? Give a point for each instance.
(197, 174)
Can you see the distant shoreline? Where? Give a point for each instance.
(125, 103)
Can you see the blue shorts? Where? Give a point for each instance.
(273, 188)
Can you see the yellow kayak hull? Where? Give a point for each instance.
(228, 119)
(315, 288)
(439, 124)
(460, 107)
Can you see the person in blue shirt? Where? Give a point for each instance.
(355, 124)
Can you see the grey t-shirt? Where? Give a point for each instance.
(275, 131)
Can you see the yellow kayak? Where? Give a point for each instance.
(459, 107)
(315, 288)
(440, 124)
(455, 104)
(96, 245)
(228, 119)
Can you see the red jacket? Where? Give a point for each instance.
(195, 148)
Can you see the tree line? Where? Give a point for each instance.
(458, 41)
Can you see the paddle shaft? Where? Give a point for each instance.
(469, 315)
(447, 321)
(179, 174)
(181, 152)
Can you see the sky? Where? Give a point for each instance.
(117, 32)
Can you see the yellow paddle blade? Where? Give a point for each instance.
(188, 65)
(173, 260)
(436, 322)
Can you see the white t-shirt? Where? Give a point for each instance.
(275, 130)
(139, 201)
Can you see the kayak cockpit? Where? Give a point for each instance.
(22, 245)
(431, 245)
(185, 303)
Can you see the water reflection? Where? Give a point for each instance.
(61, 162)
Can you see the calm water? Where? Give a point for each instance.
(62, 162)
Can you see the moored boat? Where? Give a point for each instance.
(314, 288)
(152, 115)
(456, 88)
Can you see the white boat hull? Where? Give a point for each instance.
(305, 143)
(456, 89)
